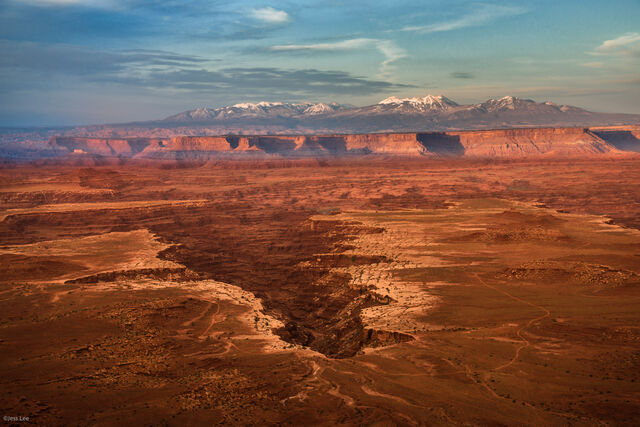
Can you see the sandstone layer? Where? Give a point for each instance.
(501, 143)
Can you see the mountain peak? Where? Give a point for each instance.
(506, 103)
(322, 108)
(428, 102)
(253, 106)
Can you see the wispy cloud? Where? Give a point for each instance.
(480, 14)
(627, 44)
(269, 15)
(255, 82)
(156, 70)
(387, 48)
(335, 46)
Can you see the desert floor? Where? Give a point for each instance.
(382, 292)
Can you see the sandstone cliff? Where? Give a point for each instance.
(503, 143)
(529, 142)
(625, 138)
(102, 146)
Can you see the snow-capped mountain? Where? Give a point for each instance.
(426, 103)
(395, 114)
(322, 108)
(256, 110)
(507, 103)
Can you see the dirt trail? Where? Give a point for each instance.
(334, 389)
(214, 318)
(526, 343)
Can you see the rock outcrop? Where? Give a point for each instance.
(507, 143)
(102, 146)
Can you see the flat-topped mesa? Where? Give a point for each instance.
(283, 145)
(502, 143)
(404, 144)
(192, 143)
(516, 143)
(399, 144)
(208, 146)
(102, 146)
(186, 147)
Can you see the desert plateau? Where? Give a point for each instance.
(414, 283)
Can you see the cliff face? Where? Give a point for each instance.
(185, 146)
(102, 146)
(397, 144)
(506, 143)
(625, 138)
(529, 142)
(296, 146)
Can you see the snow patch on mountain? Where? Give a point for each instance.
(429, 102)
(322, 108)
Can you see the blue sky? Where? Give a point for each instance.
(97, 61)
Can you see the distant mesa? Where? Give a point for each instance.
(503, 143)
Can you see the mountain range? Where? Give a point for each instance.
(393, 114)
(417, 126)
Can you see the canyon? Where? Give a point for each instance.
(337, 289)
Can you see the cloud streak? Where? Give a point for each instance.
(626, 45)
(258, 82)
(71, 60)
(162, 71)
(480, 15)
(387, 48)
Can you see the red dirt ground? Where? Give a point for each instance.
(247, 295)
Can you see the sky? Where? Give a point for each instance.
(68, 62)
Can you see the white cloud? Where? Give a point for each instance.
(392, 53)
(482, 14)
(387, 48)
(626, 44)
(341, 45)
(270, 15)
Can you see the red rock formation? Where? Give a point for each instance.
(197, 143)
(575, 142)
(244, 145)
(396, 143)
(505, 143)
(101, 146)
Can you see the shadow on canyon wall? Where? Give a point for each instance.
(623, 140)
(441, 143)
